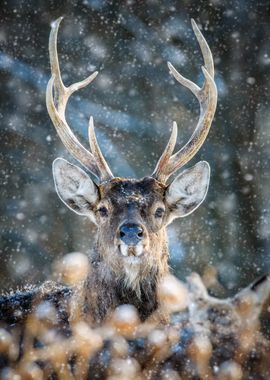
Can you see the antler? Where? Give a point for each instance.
(56, 106)
(207, 97)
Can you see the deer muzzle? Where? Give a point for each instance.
(131, 236)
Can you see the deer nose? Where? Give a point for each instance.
(131, 233)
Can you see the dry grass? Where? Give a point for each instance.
(203, 337)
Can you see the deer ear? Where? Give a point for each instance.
(188, 190)
(74, 187)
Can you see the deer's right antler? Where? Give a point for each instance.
(207, 97)
(56, 105)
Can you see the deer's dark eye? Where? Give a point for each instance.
(103, 211)
(159, 212)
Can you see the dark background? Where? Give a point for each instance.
(134, 101)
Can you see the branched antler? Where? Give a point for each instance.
(207, 97)
(56, 105)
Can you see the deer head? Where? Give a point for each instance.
(131, 215)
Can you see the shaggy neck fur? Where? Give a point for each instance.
(111, 283)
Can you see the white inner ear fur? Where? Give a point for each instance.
(188, 190)
(74, 187)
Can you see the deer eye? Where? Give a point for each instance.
(159, 212)
(103, 211)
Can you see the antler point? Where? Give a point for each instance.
(55, 24)
(205, 72)
(170, 65)
(194, 25)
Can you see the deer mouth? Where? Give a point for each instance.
(131, 251)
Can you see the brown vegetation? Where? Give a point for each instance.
(204, 337)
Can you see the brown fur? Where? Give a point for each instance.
(112, 281)
(130, 256)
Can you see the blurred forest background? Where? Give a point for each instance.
(134, 101)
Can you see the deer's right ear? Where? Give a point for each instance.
(75, 188)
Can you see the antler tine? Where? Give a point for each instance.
(207, 97)
(205, 49)
(94, 161)
(163, 161)
(96, 149)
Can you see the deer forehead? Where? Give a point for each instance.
(143, 192)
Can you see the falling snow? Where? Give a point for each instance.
(134, 101)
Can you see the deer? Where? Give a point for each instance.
(128, 280)
(130, 255)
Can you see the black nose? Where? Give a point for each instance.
(131, 233)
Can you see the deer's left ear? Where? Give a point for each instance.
(188, 190)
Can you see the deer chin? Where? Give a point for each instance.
(132, 254)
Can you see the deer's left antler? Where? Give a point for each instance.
(207, 97)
